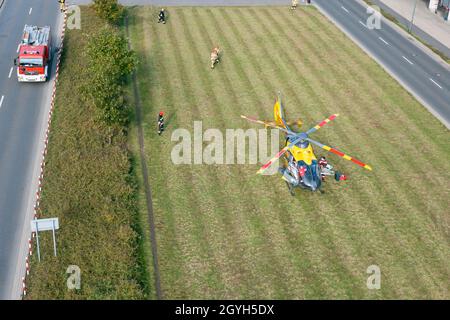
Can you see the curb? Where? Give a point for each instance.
(44, 153)
(385, 68)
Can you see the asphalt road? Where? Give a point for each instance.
(23, 115)
(425, 77)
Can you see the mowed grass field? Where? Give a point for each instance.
(224, 232)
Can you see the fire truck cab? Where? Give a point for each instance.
(34, 54)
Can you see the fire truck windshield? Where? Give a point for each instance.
(28, 62)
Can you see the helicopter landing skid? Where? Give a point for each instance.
(291, 188)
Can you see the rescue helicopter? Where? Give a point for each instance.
(301, 168)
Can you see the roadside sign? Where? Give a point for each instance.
(44, 225)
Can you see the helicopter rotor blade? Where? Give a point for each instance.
(278, 155)
(341, 154)
(266, 124)
(321, 124)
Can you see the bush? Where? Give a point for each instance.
(110, 62)
(109, 10)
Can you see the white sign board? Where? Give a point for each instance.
(44, 224)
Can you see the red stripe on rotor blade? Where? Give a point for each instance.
(337, 152)
(322, 123)
(358, 162)
(332, 117)
(266, 165)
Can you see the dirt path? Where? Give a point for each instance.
(148, 191)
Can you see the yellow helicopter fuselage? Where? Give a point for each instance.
(303, 154)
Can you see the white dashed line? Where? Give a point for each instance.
(31, 9)
(1, 101)
(385, 42)
(345, 9)
(409, 61)
(363, 24)
(10, 72)
(435, 83)
(18, 48)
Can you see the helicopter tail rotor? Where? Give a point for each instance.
(267, 124)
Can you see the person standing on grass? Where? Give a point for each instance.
(160, 122)
(162, 16)
(62, 5)
(294, 4)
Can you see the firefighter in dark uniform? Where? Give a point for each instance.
(162, 16)
(160, 122)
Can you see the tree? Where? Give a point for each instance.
(110, 62)
(110, 10)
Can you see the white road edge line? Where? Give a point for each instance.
(1, 101)
(31, 9)
(409, 61)
(345, 9)
(435, 83)
(383, 40)
(10, 72)
(18, 47)
(363, 24)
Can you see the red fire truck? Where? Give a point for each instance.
(34, 54)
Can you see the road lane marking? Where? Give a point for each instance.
(383, 40)
(345, 9)
(409, 61)
(1, 101)
(10, 72)
(435, 83)
(31, 9)
(18, 48)
(363, 24)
